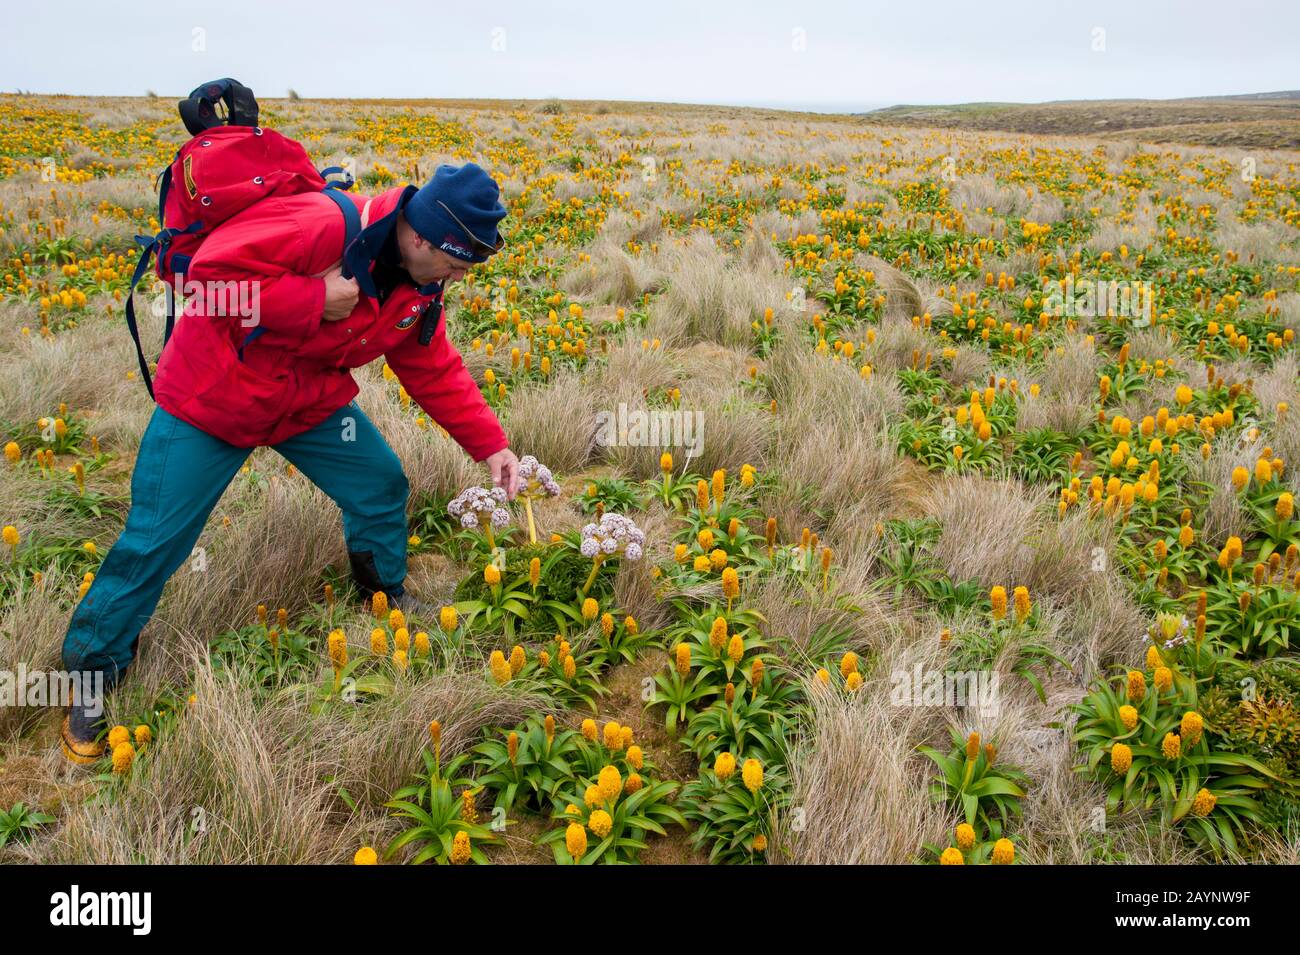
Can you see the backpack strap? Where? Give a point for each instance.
(151, 246)
(351, 223)
(345, 183)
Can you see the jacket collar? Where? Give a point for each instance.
(361, 254)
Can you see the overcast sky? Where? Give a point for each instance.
(805, 54)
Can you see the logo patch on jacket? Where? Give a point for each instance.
(190, 187)
(413, 315)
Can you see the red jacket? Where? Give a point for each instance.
(295, 372)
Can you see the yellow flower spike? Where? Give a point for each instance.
(724, 765)
(570, 666)
(123, 757)
(575, 840)
(468, 810)
(589, 729)
(338, 649)
(1128, 715)
(965, 837)
(365, 856)
(590, 609)
(624, 737)
(1020, 597)
(998, 601)
(719, 486)
(601, 823)
(718, 559)
(1121, 758)
(682, 656)
(517, 659)
(848, 664)
(666, 463)
(612, 734)
(1263, 471)
(1204, 803)
(853, 682)
(824, 676)
(633, 784)
(422, 646)
(491, 575)
(1137, 686)
(635, 758)
(379, 604)
(1004, 852)
(1163, 679)
(730, 585)
(461, 852)
(117, 736)
(1191, 727)
(736, 648)
(718, 634)
(1153, 657)
(379, 642)
(752, 775)
(972, 747)
(500, 667)
(702, 495)
(610, 782)
(951, 856)
(1171, 746)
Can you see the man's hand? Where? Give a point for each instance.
(505, 471)
(340, 295)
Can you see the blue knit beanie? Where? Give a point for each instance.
(472, 196)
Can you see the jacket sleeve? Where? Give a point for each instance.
(271, 251)
(436, 378)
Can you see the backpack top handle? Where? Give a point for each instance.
(217, 103)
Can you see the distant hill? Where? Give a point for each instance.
(1261, 120)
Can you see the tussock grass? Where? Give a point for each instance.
(986, 525)
(858, 783)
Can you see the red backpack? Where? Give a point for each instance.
(229, 164)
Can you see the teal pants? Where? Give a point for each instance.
(180, 474)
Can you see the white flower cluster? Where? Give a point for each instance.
(477, 504)
(614, 534)
(532, 471)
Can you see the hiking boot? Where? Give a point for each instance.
(83, 734)
(367, 581)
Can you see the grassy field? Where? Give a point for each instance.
(964, 568)
(1267, 121)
